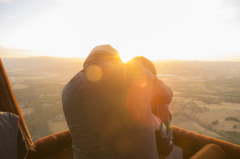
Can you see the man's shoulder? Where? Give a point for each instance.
(74, 81)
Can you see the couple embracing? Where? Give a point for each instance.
(118, 110)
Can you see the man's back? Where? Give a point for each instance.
(107, 108)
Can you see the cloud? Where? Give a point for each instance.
(232, 3)
(11, 16)
(234, 7)
(5, 1)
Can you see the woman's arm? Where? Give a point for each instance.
(162, 97)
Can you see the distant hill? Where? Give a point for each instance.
(176, 67)
(39, 62)
(180, 67)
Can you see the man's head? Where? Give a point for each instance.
(102, 52)
(146, 63)
(108, 49)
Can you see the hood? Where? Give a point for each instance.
(100, 52)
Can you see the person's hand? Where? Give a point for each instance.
(156, 122)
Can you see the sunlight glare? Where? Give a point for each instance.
(125, 58)
(198, 35)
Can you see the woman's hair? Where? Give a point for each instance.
(146, 63)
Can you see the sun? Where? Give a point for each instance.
(126, 57)
(125, 60)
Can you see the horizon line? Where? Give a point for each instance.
(25, 57)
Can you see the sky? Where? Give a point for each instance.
(156, 29)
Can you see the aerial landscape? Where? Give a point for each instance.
(206, 94)
(194, 46)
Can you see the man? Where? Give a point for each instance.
(107, 106)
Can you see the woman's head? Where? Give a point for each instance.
(146, 63)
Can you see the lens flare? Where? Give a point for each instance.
(94, 73)
(143, 84)
(137, 101)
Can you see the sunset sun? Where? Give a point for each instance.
(125, 58)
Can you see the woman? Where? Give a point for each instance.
(161, 113)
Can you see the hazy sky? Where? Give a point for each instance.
(161, 29)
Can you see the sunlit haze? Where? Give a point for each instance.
(158, 30)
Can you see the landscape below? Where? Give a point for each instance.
(206, 94)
